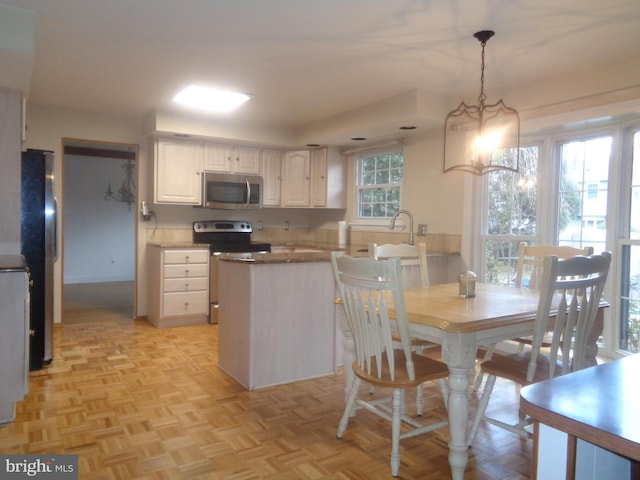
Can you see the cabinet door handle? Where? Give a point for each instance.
(186, 273)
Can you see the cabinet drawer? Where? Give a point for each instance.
(186, 271)
(190, 303)
(192, 284)
(186, 256)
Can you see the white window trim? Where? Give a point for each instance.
(549, 169)
(368, 223)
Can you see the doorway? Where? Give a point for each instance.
(98, 230)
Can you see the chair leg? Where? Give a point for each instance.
(419, 400)
(487, 356)
(398, 404)
(444, 391)
(482, 408)
(348, 409)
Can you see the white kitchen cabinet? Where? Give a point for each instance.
(14, 334)
(219, 157)
(319, 177)
(296, 179)
(271, 178)
(178, 285)
(177, 171)
(328, 178)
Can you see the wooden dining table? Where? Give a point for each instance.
(460, 325)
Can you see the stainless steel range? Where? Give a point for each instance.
(224, 237)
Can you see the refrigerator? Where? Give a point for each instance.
(40, 250)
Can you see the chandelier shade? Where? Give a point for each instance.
(482, 138)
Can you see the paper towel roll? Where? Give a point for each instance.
(342, 233)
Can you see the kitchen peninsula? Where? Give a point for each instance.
(277, 318)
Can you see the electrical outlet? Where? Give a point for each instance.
(259, 225)
(286, 225)
(422, 230)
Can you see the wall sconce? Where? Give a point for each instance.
(482, 138)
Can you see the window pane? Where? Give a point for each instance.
(630, 300)
(582, 211)
(512, 198)
(379, 183)
(635, 189)
(502, 260)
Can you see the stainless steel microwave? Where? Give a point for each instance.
(231, 191)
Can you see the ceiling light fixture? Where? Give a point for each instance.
(482, 138)
(210, 99)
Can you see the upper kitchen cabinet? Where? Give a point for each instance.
(177, 171)
(315, 179)
(231, 159)
(296, 179)
(328, 179)
(271, 177)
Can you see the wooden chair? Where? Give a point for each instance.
(528, 271)
(575, 286)
(531, 258)
(413, 259)
(366, 286)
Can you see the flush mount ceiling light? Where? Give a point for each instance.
(210, 99)
(482, 138)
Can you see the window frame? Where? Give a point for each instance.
(548, 194)
(358, 157)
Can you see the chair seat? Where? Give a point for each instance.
(514, 367)
(426, 369)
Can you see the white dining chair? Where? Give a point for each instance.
(413, 258)
(368, 289)
(570, 294)
(528, 272)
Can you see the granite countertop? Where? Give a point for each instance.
(288, 252)
(273, 258)
(179, 245)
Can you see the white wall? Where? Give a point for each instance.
(10, 197)
(47, 127)
(99, 235)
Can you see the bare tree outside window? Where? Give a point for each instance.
(511, 216)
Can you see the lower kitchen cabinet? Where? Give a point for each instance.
(277, 322)
(178, 285)
(14, 334)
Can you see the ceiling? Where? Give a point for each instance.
(301, 60)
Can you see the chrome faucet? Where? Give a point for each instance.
(392, 225)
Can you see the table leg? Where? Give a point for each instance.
(459, 352)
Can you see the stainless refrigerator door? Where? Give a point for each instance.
(50, 232)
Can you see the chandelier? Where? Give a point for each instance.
(482, 138)
(127, 191)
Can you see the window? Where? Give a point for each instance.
(378, 183)
(511, 216)
(582, 209)
(588, 194)
(629, 247)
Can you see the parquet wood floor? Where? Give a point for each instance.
(136, 402)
